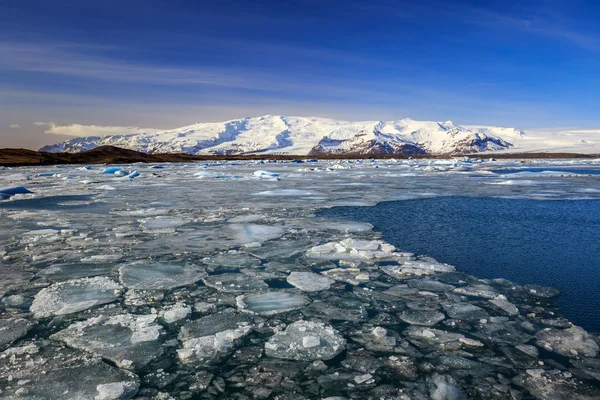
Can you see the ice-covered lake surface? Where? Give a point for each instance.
(191, 281)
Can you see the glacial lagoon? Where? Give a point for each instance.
(223, 280)
(551, 243)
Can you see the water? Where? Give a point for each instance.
(145, 276)
(552, 243)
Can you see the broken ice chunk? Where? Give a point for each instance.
(422, 317)
(465, 311)
(345, 307)
(8, 191)
(265, 174)
(249, 235)
(211, 349)
(272, 302)
(484, 291)
(12, 329)
(214, 323)
(412, 268)
(236, 260)
(432, 335)
(162, 224)
(175, 313)
(430, 285)
(112, 170)
(306, 341)
(130, 341)
(159, 276)
(503, 304)
(65, 271)
(556, 385)
(444, 387)
(352, 249)
(571, 342)
(75, 295)
(51, 372)
(235, 283)
(309, 281)
(208, 340)
(353, 276)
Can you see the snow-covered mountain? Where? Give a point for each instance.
(302, 136)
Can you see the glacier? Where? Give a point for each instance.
(307, 136)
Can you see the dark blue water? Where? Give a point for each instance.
(582, 171)
(551, 243)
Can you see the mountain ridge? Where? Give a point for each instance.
(281, 135)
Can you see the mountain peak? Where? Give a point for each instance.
(271, 134)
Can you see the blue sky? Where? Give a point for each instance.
(163, 64)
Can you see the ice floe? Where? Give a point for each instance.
(235, 283)
(130, 341)
(271, 303)
(142, 275)
(352, 249)
(309, 281)
(74, 295)
(306, 341)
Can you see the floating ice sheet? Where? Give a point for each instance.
(306, 341)
(271, 302)
(130, 341)
(141, 275)
(74, 295)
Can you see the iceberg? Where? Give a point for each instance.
(8, 191)
(113, 170)
(265, 174)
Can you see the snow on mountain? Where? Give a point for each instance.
(302, 136)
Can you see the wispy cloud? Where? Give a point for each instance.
(74, 60)
(552, 29)
(91, 130)
(14, 126)
(537, 22)
(62, 59)
(48, 58)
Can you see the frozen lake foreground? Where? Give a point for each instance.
(192, 281)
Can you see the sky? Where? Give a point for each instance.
(72, 67)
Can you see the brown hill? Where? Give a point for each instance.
(99, 155)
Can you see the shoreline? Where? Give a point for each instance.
(114, 155)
